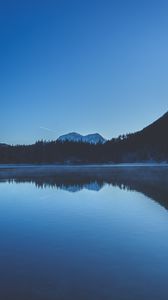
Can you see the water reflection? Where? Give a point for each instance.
(104, 244)
(151, 181)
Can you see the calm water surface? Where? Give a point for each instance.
(89, 238)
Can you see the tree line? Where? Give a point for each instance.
(136, 147)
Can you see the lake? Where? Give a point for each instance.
(84, 233)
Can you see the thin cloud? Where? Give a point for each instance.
(48, 129)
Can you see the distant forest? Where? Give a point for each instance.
(149, 144)
(131, 148)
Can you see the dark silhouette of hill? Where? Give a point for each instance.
(158, 128)
(155, 133)
(149, 144)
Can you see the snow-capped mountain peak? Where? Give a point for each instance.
(94, 138)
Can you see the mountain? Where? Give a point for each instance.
(158, 129)
(3, 145)
(148, 144)
(154, 135)
(94, 138)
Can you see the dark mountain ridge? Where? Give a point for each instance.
(149, 144)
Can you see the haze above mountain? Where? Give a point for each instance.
(94, 138)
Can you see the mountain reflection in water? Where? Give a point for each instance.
(103, 242)
(151, 181)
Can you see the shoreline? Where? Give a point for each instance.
(80, 171)
(99, 165)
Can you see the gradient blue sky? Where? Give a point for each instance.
(85, 66)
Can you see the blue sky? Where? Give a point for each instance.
(84, 66)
